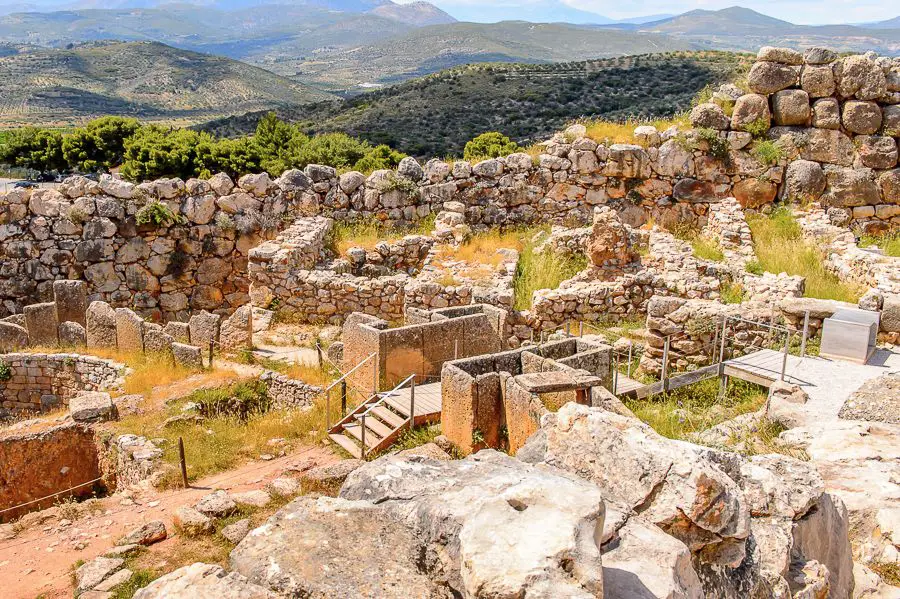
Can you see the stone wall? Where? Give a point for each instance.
(286, 392)
(39, 382)
(836, 121)
(38, 464)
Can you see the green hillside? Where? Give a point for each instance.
(437, 114)
(57, 87)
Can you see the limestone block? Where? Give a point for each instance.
(890, 313)
(769, 77)
(12, 337)
(826, 114)
(876, 151)
(889, 183)
(101, 325)
(754, 192)
(750, 109)
(859, 77)
(71, 301)
(92, 407)
(828, 146)
(204, 327)
(179, 331)
(146, 534)
(156, 340)
(236, 331)
(202, 581)
(848, 187)
(189, 356)
(890, 121)
(129, 330)
(72, 334)
(709, 115)
(191, 522)
(817, 80)
(819, 55)
(43, 328)
(221, 184)
(94, 572)
(791, 107)
(860, 117)
(327, 480)
(780, 55)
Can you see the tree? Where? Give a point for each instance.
(155, 151)
(490, 145)
(380, 157)
(99, 145)
(278, 143)
(333, 149)
(35, 149)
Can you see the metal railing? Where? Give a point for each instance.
(342, 381)
(382, 397)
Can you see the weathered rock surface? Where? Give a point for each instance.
(202, 581)
(147, 534)
(327, 480)
(92, 573)
(192, 522)
(216, 505)
(878, 400)
(92, 407)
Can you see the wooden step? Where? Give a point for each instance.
(389, 416)
(378, 426)
(347, 444)
(355, 430)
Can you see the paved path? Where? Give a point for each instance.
(830, 382)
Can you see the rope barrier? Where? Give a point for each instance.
(15, 507)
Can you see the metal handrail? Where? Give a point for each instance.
(361, 417)
(349, 372)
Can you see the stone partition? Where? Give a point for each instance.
(39, 382)
(286, 392)
(835, 120)
(420, 348)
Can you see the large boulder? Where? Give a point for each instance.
(750, 523)
(101, 325)
(609, 244)
(860, 117)
(804, 180)
(859, 77)
(486, 526)
(92, 406)
(709, 115)
(769, 77)
(202, 581)
(749, 110)
(236, 331)
(12, 337)
(817, 80)
(40, 320)
(71, 302)
(848, 187)
(877, 151)
(791, 107)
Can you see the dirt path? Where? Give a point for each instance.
(38, 562)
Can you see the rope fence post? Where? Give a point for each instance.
(665, 367)
(805, 334)
(184, 478)
(343, 397)
(212, 349)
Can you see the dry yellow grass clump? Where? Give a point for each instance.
(622, 132)
(482, 248)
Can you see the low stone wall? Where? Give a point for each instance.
(286, 392)
(38, 464)
(130, 460)
(39, 382)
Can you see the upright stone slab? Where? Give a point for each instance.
(179, 331)
(12, 337)
(129, 330)
(156, 340)
(41, 323)
(72, 334)
(71, 301)
(189, 356)
(204, 327)
(101, 325)
(237, 330)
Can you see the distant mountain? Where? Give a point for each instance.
(437, 114)
(534, 11)
(646, 18)
(429, 49)
(414, 13)
(889, 24)
(738, 28)
(142, 79)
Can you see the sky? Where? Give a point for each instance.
(808, 12)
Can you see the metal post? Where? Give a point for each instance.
(412, 403)
(375, 376)
(805, 334)
(328, 411)
(615, 388)
(722, 345)
(714, 345)
(363, 434)
(568, 322)
(630, 345)
(184, 479)
(772, 328)
(343, 397)
(581, 328)
(787, 347)
(212, 343)
(665, 367)
(319, 356)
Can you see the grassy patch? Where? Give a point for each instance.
(732, 293)
(705, 248)
(366, 233)
(228, 438)
(780, 247)
(545, 270)
(767, 152)
(482, 247)
(889, 243)
(889, 572)
(696, 407)
(622, 132)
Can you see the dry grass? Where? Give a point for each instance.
(780, 247)
(545, 270)
(888, 572)
(223, 442)
(889, 243)
(482, 247)
(610, 132)
(367, 233)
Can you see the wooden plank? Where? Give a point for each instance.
(389, 416)
(355, 430)
(398, 404)
(380, 428)
(347, 444)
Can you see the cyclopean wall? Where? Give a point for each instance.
(836, 120)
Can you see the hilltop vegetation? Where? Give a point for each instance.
(63, 87)
(151, 151)
(436, 115)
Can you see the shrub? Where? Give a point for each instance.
(156, 213)
(757, 128)
(889, 243)
(394, 182)
(754, 267)
(224, 221)
(490, 145)
(5, 371)
(732, 293)
(240, 400)
(718, 147)
(767, 152)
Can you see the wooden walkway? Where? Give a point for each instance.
(387, 415)
(761, 367)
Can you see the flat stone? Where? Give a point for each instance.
(92, 573)
(116, 580)
(234, 533)
(147, 534)
(92, 407)
(71, 302)
(216, 505)
(43, 328)
(327, 480)
(192, 522)
(202, 581)
(255, 498)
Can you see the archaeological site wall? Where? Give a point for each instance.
(39, 382)
(169, 248)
